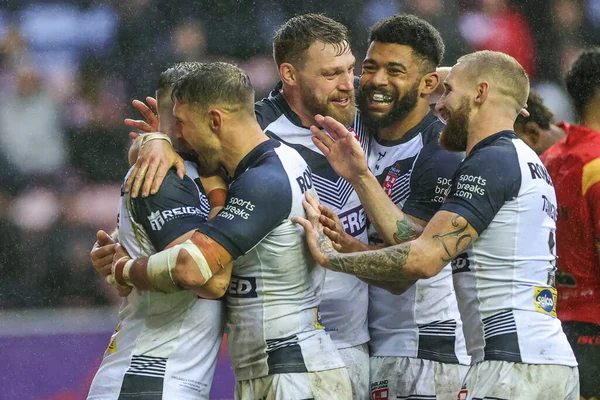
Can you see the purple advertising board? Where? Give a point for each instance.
(53, 355)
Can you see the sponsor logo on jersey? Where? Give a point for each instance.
(391, 177)
(158, 219)
(354, 221)
(463, 394)
(380, 390)
(242, 287)
(544, 299)
(460, 263)
(318, 321)
(112, 346)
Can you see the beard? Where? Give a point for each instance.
(314, 105)
(454, 135)
(402, 107)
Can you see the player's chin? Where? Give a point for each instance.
(344, 115)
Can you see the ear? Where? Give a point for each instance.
(483, 89)
(288, 74)
(215, 120)
(429, 82)
(532, 130)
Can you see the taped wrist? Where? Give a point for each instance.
(120, 271)
(154, 136)
(161, 265)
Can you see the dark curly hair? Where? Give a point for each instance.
(296, 35)
(414, 32)
(583, 79)
(539, 113)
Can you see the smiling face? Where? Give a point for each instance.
(326, 82)
(455, 108)
(192, 126)
(389, 85)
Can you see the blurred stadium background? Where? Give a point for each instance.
(68, 73)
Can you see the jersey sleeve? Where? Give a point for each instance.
(482, 184)
(256, 204)
(173, 211)
(430, 181)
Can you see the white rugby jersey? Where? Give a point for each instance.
(166, 345)
(504, 281)
(424, 321)
(345, 297)
(272, 302)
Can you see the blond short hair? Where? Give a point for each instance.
(504, 73)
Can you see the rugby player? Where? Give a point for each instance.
(316, 67)
(166, 345)
(277, 346)
(538, 130)
(574, 165)
(417, 346)
(497, 225)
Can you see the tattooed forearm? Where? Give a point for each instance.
(455, 240)
(407, 230)
(384, 264)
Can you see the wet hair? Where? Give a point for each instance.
(296, 35)
(172, 74)
(583, 78)
(508, 76)
(539, 113)
(216, 83)
(414, 32)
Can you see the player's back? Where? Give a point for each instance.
(505, 280)
(166, 344)
(574, 165)
(423, 322)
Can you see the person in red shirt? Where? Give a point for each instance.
(574, 166)
(538, 130)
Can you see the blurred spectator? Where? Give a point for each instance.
(31, 133)
(538, 130)
(443, 15)
(496, 25)
(574, 165)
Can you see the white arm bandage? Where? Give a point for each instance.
(161, 265)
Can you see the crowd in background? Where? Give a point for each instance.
(69, 70)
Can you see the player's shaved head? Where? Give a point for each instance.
(296, 35)
(505, 75)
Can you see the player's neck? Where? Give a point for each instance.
(484, 126)
(398, 129)
(295, 102)
(238, 143)
(591, 116)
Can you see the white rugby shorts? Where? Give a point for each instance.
(321, 385)
(415, 378)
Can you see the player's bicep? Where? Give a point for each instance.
(447, 235)
(191, 271)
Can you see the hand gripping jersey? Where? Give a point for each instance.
(574, 165)
(272, 302)
(166, 345)
(345, 297)
(504, 281)
(423, 322)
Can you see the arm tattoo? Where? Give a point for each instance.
(384, 264)
(455, 240)
(406, 230)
